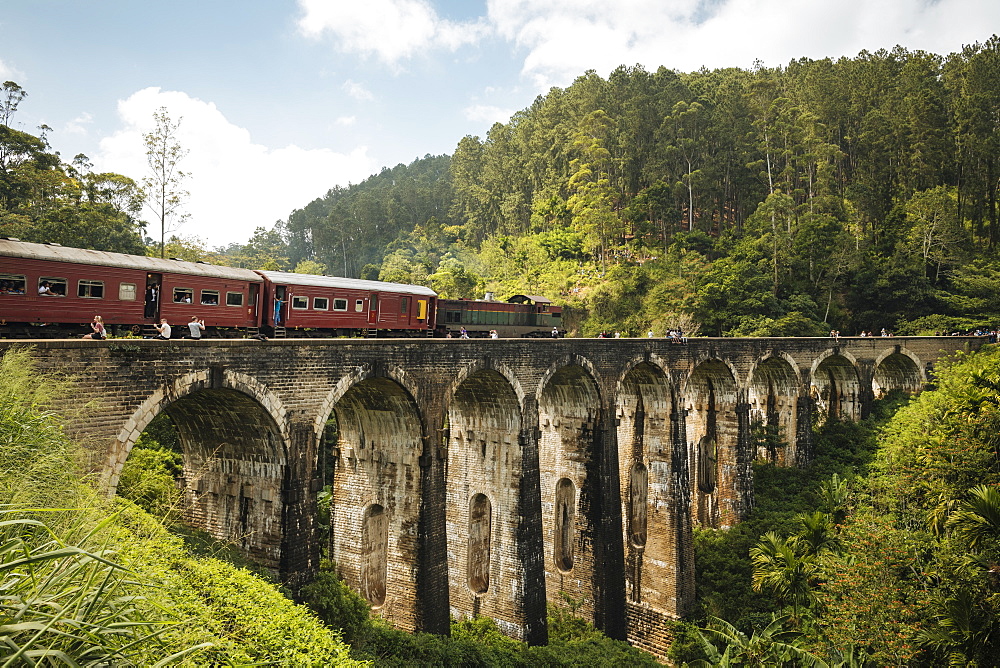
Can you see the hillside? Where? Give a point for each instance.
(856, 194)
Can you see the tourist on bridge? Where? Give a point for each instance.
(196, 327)
(99, 332)
(163, 330)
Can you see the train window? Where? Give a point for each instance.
(234, 299)
(300, 302)
(321, 303)
(183, 295)
(339, 304)
(11, 284)
(51, 287)
(359, 305)
(126, 292)
(90, 289)
(404, 304)
(209, 297)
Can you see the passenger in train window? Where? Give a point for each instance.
(45, 290)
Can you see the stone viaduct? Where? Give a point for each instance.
(482, 477)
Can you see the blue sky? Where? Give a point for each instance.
(281, 100)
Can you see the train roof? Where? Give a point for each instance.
(537, 299)
(57, 253)
(286, 278)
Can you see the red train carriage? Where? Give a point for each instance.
(521, 315)
(308, 305)
(47, 290)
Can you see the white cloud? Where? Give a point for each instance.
(485, 113)
(563, 38)
(346, 120)
(235, 184)
(77, 126)
(357, 91)
(391, 30)
(8, 72)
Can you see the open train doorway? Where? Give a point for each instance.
(154, 283)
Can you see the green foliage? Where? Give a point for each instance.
(63, 604)
(148, 479)
(473, 642)
(337, 605)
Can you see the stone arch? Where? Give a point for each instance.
(835, 386)
(897, 369)
(569, 410)
(376, 468)
(191, 382)
(234, 436)
(711, 397)
(485, 460)
(773, 390)
(363, 372)
(653, 476)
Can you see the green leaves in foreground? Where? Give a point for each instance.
(64, 605)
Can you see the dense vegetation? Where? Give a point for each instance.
(885, 552)
(854, 194)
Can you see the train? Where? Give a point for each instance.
(53, 291)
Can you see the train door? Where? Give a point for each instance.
(154, 284)
(252, 306)
(280, 305)
(373, 309)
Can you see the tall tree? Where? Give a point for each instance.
(165, 193)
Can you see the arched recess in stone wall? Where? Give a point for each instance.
(484, 476)
(897, 369)
(713, 438)
(568, 411)
(835, 387)
(233, 435)
(656, 524)
(773, 393)
(375, 506)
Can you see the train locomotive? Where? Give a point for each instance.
(52, 291)
(527, 316)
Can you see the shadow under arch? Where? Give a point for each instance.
(491, 505)
(376, 495)
(655, 495)
(897, 369)
(233, 439)
(773, 390)
(569, 413)
(835, 387)
(711, 396)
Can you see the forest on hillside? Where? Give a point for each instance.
(856, 194)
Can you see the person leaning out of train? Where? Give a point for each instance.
(45, 290)
(164, 330)
(99, 333)
(196, 327)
